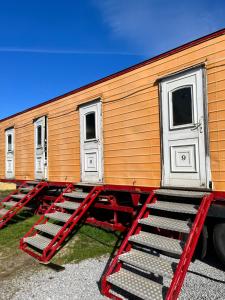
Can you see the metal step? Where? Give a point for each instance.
(105, 200)
(58, 216)
(18, 196)
(68, 205)
(158, 242)
(174, 207)
(88, 184)
(149, 263)
(3, 211)
(9, 203)
(180, 193)
(137, 285)
(80, 190)
(26, 189)
(166, 223)
(49, 228)
(78, 195)
(33, 182)
(38, 241)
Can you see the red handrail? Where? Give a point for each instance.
(189, 249)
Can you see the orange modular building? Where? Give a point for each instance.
(105, 148)
(157, 123)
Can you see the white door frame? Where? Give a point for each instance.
(204, 170)
(41, 148)
(10, 154)
(91, 150)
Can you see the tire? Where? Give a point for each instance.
(219, 241)
(202, 245)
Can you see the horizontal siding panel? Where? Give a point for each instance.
(131, 111)
(130, 120)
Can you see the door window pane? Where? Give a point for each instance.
(182, 106)
(39, 136)
(90, 126)
(9, 142)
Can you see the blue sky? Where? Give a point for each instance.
(48, 48)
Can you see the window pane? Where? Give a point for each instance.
(9, 142)
(182, 106)
(90, 126)
(39, 136)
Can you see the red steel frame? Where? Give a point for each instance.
(218, 195)
(176, 284)
(21, 203)
(75, 218)
(113, 206)
(21, 181)
(185, 259)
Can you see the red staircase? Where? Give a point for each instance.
(154, 257)
(48, 235)
(12, 204)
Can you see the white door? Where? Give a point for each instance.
(183, 128)
(91, 142)
(40, 137)
(10, 155)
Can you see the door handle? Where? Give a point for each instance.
(196, 126)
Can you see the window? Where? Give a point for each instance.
(10, 143)
(39, 136)
(90, 126)
(182, 106)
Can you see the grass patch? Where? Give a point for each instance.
(11, 234)
(4, 194)
(88, 242)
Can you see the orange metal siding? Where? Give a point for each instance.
(131, 126)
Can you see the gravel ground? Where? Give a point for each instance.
(76, 281)
(80, 281)
(204, 281)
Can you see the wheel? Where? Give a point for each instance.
(201, 248)
(219, 241)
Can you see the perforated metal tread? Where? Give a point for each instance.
(149, 263)
(9, 203)
(68, 205)
(103, 200)
(78, 195)
(166, 223)
(87, 184)
(175, 207)
(137, 285)
(38, 241)
(158, 242)
(18, 196)
(26, 189)
(49, 228)
(33, 182)
(80, 190)
(180, 193)
(3, 211)
(58, 216)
